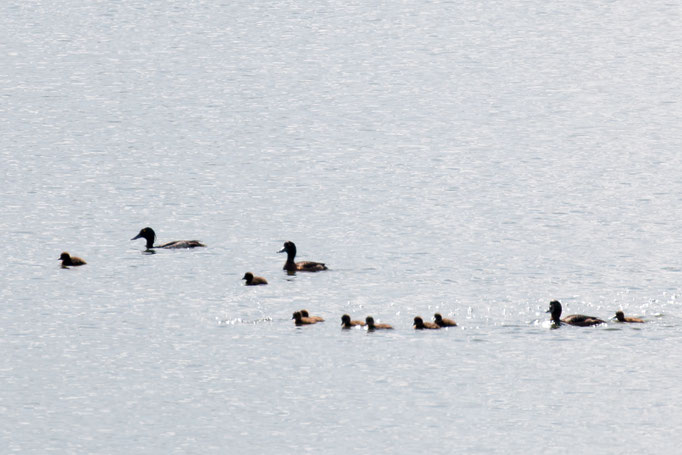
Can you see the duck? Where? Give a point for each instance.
(419, 324)
(574, 319)
(72, 261)
(347, 323)
(305, 314)
(300, 320)
(443, 322)
(254, 280)
(369, 320)
(620, 316)
(149, 235)
(303, 266)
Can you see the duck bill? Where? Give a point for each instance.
(282, 250)
(138, 236)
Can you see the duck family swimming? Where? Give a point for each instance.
(150, 236)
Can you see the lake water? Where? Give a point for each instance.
(474, 158)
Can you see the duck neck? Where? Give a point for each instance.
(556, 319)
(290, 264)
(150, 242)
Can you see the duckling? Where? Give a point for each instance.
(68, 260)
(254, 280)
(443, 322)
(303, 266)
(372, 326)
(300, 320)
(621, 318)
(419, 324)
(149, 235)
(573, 319)
(305, 314)
(347, 323)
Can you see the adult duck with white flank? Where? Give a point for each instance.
(579, 320)
(150, 236)
(302, 266)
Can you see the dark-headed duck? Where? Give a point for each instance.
(300, 320)
(303, 266)
(419, 324)
(150, 236)
(443, 322)
(573, 319)
(347, 323)
(70, 261)
(254, 280)
(372, 326)
(621, 318)
(305, 314)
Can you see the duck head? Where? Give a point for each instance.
(147, 234)
(554, 309)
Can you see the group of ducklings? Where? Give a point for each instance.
(303, 318)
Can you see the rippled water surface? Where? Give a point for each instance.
(473, 158)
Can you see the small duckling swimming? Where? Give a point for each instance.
(302, 266)
(621, 318)
(419, 324)
(579, 320)
(443, 322)
(254, 280)
(305, 314)
(150, 236)
(346, 322)
(372, 326)
(70, 261)
(300, 320)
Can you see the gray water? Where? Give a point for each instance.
(473, 158)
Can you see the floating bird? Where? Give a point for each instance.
(621, 318)
(444, 322)
(70, 261)
(254, 280)
(372, 326)
(419, 324)
(149, 235)
(303, 266)
(347, 323)
(573, 319)
(300, 320)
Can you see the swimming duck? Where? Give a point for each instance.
(419, 324)
(300, 320)
(68, 260)
(372, 326)
(305, 314)
(573, 319)
(303, 266)
(621, 318)
(149, 235)
(347, 323)
(254, 280)
(443, 322)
